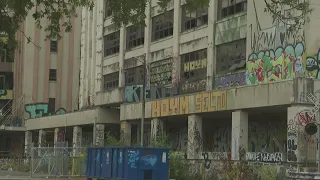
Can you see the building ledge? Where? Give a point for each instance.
(253, 96)
(12, 128)
(97, 115)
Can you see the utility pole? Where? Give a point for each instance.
(143, 100)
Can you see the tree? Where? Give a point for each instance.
(133, 11)
(297, 12)
(14, 12)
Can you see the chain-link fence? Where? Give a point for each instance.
(58, 161)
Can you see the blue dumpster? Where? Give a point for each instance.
(127, 163)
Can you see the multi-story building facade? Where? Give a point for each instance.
(217, 79)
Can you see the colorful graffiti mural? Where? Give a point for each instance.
(5, 94)
(274, 65)
(230, 81)
(40, 110)
(313, 66)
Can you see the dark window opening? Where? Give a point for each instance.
(194, 65)
(111, 81)
(161, 72)
(52, 75)
(229, 7)
(52, 106)
(134, 76)
(193, 19)
(53, 46)
(231, 56)
(107, 10)
(111, 43)
(135, 36)
(162, 26)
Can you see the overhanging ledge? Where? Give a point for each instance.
(98, 115)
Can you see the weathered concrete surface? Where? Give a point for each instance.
(101, 115)
(263, 95)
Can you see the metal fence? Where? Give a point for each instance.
(57, 161)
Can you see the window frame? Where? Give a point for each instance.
(52, 106)
(52, 77)
(162, 24)
(107, 11)
(53, 47)
(112, 78)
(111, 44)
(220, 63)
(135, 74)
(200, 19)
(196, 74)
(231, 7)
(134, 34)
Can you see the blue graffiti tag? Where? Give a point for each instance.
(133, 157)
(149, 160)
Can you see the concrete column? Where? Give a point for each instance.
(211, 65)
(239, 138)
(42, 141)
(176, 43)
(195, 141)
(99, 134)
(56, 137)
(99, 45)
(147, 39)
(157, 129)
(76, 141)
(298, 143)
(125, 132)
(28, 143)
(122, 49)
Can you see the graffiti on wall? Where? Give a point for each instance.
(5, 94)
(134, 93)
(179, 138)
(230, 81)
(267, 137)
(204, 102)
(211, 101)
(161, 72)
(194, 86)
(170, 107)
(40, 110)
(221, 139)
(274, 65)
(313, 66)
(264, 157)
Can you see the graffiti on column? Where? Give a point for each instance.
(99, 135)
(194, 140)
(207, 161)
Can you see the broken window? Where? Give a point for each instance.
(231, 56)
(229, 7)
(111, 81)
(53, 46)
(162, 26)
(52, 74)
(111, 43)
(194, 65)
(135, 36)
(161, 72)
(193, 19)
(134, 76)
